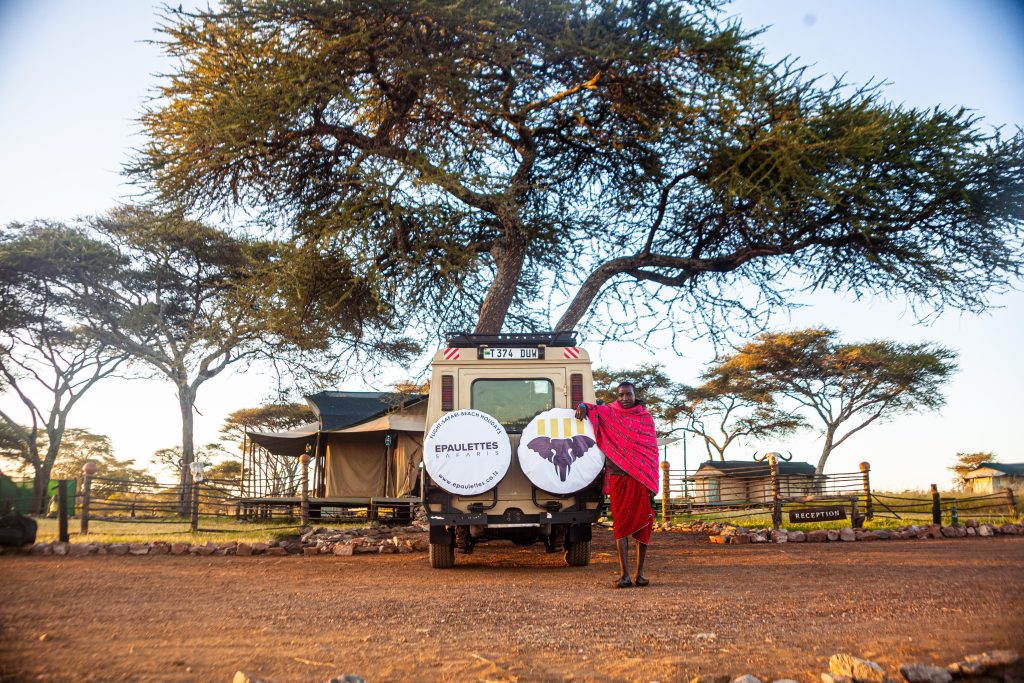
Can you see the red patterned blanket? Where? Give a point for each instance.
(628, 438)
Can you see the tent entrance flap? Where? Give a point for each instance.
(356, 464)
(361, 464)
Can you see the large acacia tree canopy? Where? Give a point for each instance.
(461, 160)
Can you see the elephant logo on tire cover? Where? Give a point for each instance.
(562, 453)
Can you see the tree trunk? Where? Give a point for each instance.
(825, 452)
(509, 258)
(43, 471)
(186, 400)
(40, 484)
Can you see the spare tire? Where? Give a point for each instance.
(558, 453)
(467, 452)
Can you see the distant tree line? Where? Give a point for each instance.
(783, 382)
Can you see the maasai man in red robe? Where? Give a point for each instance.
(625, 432)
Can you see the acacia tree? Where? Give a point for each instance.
(46, 362)
(653, 386)
(965, 462)
(450, 164)
(172, 302)
(726, 408)
(846, 386)
(283, 470)
(80, 446)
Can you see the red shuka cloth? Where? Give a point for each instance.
(628, 439)
(632, 514)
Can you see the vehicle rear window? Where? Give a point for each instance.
(513, 402)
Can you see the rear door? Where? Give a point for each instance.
(513, 395)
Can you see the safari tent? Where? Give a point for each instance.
(739, 482)
(993, 477)
(364, 445)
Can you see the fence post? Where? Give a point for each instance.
(869, 510)
(1011, 504)
(855, 520)
(305, 489)
(87, 473)
(773, 463)
(665, 492)
(194, 521)
(936, 506)
(62, 509)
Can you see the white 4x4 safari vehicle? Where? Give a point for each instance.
(504, 457)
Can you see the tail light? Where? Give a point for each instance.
(447, 393)
(575, 389)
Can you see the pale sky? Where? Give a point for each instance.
(73, 76)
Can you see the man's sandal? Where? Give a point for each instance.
(642, 581)
(623, 583)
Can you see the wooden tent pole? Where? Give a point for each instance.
(389, 455)
(245, 442)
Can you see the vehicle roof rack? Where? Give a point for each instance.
(467, 340)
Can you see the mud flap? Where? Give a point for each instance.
(579, 533)
(442, 535)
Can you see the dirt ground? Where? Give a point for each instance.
(507, 613)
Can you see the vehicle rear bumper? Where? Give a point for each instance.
(524, 520)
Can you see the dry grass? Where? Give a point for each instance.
(177, 530)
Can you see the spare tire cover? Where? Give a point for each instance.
(558, 453)
(467, 452)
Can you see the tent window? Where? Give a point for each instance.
(714, 489)
(513, 402)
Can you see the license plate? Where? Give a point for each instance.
(500, 353)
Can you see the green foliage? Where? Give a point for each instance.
(836, 382)
(449, 164)
(271, 417)
(284, 471)
(79, 446)
(729, 406)
(48, 360)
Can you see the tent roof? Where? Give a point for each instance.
(745, 469)
(411, 419)
(291, 442)
(338, 410)
(348, 412)
(1004, 467)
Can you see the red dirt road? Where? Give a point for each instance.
(507, 613)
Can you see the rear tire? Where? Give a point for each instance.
(578, 554)
(442, 555)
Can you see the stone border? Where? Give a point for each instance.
(994, 666)
(724, 532)
(374, 539)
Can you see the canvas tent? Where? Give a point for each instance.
(737, 482)
(365, 444)
(993, 477)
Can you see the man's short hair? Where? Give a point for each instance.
(627, 384)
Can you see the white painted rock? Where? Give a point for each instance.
(860, 670)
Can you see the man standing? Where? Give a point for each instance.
(625, 432)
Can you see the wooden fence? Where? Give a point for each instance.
(846, 490)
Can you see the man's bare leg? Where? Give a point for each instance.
(622, 551)
(641, 555)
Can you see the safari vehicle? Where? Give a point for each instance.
(513, 378)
